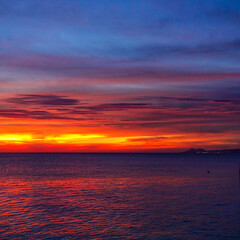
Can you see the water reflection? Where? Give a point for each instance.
(117, 197)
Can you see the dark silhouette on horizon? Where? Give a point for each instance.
(203, 151)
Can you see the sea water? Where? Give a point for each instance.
(119, 196)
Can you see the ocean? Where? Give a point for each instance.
(119, 196)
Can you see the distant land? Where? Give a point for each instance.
(203, 151)
(189, 151)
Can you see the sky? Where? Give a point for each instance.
(119, 76)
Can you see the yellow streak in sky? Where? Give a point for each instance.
(82, 139)
(66, 138)
(15, 138)
(73, 138)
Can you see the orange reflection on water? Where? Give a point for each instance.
(74, 206)
(107, 196)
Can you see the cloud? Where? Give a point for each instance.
(44, 100)
(158, 51)
(211, 128)
(25, 114)
(119, 106)
(189, 99)
(105, 69)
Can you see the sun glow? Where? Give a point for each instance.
(15, 138)
(73, 138)
(94, 142)
(66, 138)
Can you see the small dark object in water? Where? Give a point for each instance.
(208, 171)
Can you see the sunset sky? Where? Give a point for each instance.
(119, 75)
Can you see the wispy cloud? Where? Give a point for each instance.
(44, 100)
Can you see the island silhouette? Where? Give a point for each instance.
(203, 151)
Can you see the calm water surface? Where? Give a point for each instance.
(119, 196)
